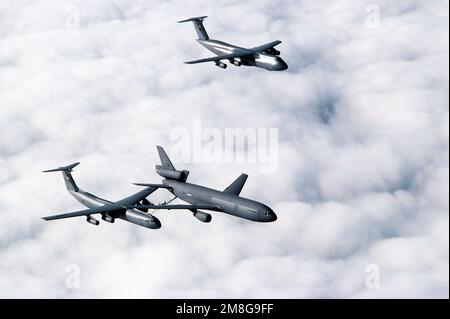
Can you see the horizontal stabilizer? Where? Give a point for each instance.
(194, 19)
(235, 188)
(199, 28)
(68, 168)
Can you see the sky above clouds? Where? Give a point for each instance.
(362, 156)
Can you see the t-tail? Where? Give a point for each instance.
(68, 179)
(199, 28)
(167, 170)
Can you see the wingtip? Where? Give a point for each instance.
(141, 184)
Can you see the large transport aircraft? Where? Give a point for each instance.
(264, 56)
(135, 208)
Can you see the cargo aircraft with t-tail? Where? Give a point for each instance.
(136, 208)
(264, 56)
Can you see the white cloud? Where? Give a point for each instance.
(362, 115)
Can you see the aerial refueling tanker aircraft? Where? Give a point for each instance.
(135, 208)
(203, 198)
(264, 56)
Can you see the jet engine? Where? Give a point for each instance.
(221, 65)
(236, 61)
(202, 216)
(108, 218)
(92, 220)
(172, 174)
(272, 51)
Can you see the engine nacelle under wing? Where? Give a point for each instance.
(92, 220)
(202, 216)
(221, 65)
(108, 218)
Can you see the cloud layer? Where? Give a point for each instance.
(361, 189)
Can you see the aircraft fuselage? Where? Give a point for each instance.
(134, 216)
(262, 60)
(226, 202)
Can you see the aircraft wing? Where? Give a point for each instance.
(237, 54)
(264, 47)
(110, 208)
(169, 207)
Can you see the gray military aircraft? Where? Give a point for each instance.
(203, 198)
(135, 208)
(264, 56)
(108, 210)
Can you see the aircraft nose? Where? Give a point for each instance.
(155, 223)
(268, 215)
(273, 216)
(281, 65)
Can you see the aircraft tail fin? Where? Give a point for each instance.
(235, 188)
(165, 160)
(167, 170)
(199, 28)
(68, 179)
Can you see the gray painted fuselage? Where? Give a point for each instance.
(262, 60)
(227, 203)
(134, 216)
